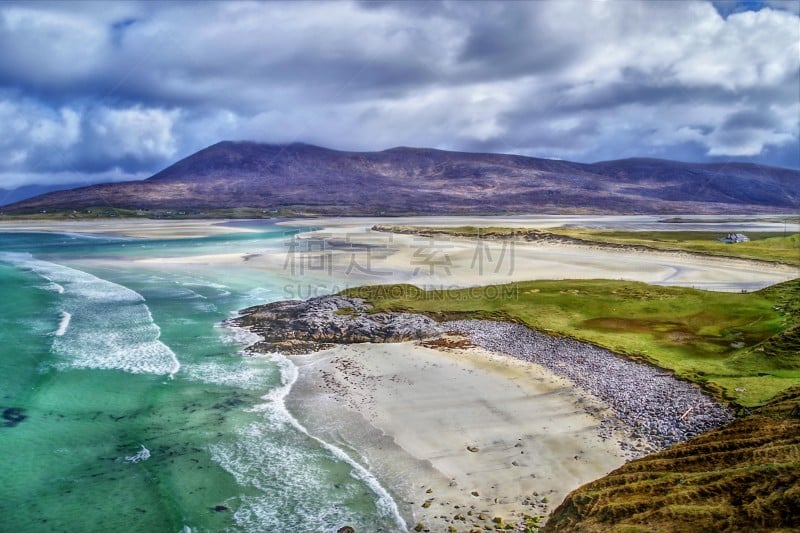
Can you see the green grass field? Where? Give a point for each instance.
(743, 347)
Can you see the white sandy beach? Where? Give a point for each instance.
(347, 253)
(413, 414)
(444, 262)
(352, 255)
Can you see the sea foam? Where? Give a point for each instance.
(64, 324)
(141, 455)
(109, 326)
(278, 447)
(241, 373)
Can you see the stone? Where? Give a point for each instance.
(298, 327)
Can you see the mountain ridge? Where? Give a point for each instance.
(409, 180)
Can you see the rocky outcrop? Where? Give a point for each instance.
(297, 327)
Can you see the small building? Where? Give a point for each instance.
(731, 238)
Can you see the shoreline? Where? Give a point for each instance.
(657, 408)
(472, 421)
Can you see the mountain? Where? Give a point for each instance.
(311, 179)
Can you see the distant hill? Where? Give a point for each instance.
(311, 179)
(10, 196)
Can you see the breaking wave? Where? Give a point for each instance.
(104, 325)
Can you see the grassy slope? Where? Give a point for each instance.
(742, 477)
(744, 347)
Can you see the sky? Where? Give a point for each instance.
(93, 92)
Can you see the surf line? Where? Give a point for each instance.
(176, 364)
(290, 374)
(82, 293)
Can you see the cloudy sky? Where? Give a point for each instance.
(95, 91)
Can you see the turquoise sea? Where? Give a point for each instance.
(127, 406)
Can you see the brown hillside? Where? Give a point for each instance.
(425, 181)
(742, 477)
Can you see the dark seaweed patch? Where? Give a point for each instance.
(13, 416)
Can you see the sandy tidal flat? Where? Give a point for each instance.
(449, 262)
(347, 253)
(137, 228)
(457, 436)
(349, 257)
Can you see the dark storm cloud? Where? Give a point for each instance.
(507, 42)
(122, 89)
(759, 119)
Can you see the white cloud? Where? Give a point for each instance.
(137, 85)
(27, 128)
(61, 133)
(746, 50)
(35, 138)
(134, 132)
(46, 46)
